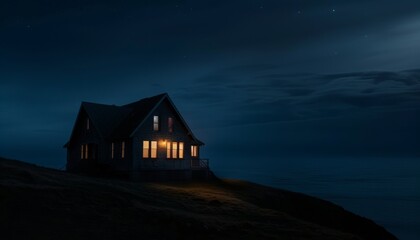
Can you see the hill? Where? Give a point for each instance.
(42, 203)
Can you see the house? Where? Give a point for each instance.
(143, 140)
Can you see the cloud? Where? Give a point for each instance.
(256, 94)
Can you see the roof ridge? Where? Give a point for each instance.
(144, 99)
(139, 110)
(102, 104)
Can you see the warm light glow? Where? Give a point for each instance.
(154, 149)
(146, 146)
(162, 143)
(174, 150)
(194, 151)
(181, 150)
(168, 149)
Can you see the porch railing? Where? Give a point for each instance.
(200, 163)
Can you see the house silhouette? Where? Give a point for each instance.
(144, 140)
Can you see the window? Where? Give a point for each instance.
(87, 124)
(174, 150)
(86, 151)
(155, 123)
(122, 149)
(146, 147)
(112, 150)
(181, 150)
(82, 152)
(168, 149)
(194, 152)
(154, 149)
(170, 125)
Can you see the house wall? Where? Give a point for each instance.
(119, 163)
(146, 132)
(103, 160)
(80, 136)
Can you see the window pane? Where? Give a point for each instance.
(122, 149)
(154, 149)
(86, 151)
(82, 151)
(145, 149)
(170, 125)
(174, 150)
(193, 151)
(181, 150)
(168, 149)
(156, 123)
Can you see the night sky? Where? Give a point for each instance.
(252, 78)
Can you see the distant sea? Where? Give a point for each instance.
(386, 190)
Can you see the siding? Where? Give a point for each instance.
(82, 136)
(145, 132)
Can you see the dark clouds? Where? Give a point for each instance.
(350, 114)
(317, 72)
(251, 94)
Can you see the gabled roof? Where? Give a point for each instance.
(105, 117)
(138, 113)
(117, 122)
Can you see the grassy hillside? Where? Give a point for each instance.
(41, 203)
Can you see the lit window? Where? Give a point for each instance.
(87, 124)
(181, 150)
(146, 146)
(170, 124)
(155, 123)
(168, 149)
(174, 150)
(154, 149)
(122, 149)
(194, 151)
(112, 150)
(86, 151)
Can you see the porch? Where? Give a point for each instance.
(200, 164)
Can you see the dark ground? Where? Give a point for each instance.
(41, 203)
